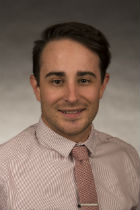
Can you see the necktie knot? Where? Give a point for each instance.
(80, 152)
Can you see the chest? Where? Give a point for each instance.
(48, 183)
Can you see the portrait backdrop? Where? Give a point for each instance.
(22, 21)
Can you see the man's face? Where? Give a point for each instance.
(70, 88)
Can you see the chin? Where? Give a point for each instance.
(74, 129)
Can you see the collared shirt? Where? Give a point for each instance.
(37, 171)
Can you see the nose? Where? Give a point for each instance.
(71, 93)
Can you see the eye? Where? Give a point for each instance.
(84, 81)
(57, 82)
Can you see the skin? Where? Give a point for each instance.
(70, 88)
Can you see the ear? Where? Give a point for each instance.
(35, 87)
(104, 84)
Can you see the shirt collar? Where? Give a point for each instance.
(48, 138)
(91, 142)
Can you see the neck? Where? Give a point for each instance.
(81, 137)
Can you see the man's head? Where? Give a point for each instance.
(70, 78)
(85, 34)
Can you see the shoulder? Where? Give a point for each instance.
(104, 138)
(17, 144)
(12, 154)
(113, 145)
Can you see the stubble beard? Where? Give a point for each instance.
(53, 123)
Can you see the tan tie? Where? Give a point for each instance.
(84, 179)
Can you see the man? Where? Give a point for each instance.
(37, 167)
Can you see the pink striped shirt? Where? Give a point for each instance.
(36, 171)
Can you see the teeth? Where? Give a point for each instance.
(70, 112)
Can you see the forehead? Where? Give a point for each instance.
(68, 54)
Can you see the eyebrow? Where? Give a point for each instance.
(83, 73)
(59, 74)
(62, 74)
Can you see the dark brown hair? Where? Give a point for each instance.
(85, 34)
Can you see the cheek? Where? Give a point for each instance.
(49, 96)
(91, 95)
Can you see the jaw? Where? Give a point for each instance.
(72, 123)
(74, 128)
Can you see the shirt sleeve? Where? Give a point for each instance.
(3, 195)
(138, 207)
(138, 173)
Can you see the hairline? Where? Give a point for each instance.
(67, 38)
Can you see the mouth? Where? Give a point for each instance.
(72, 113)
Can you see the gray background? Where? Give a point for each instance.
(21, 22)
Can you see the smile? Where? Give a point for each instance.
(72, 113)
